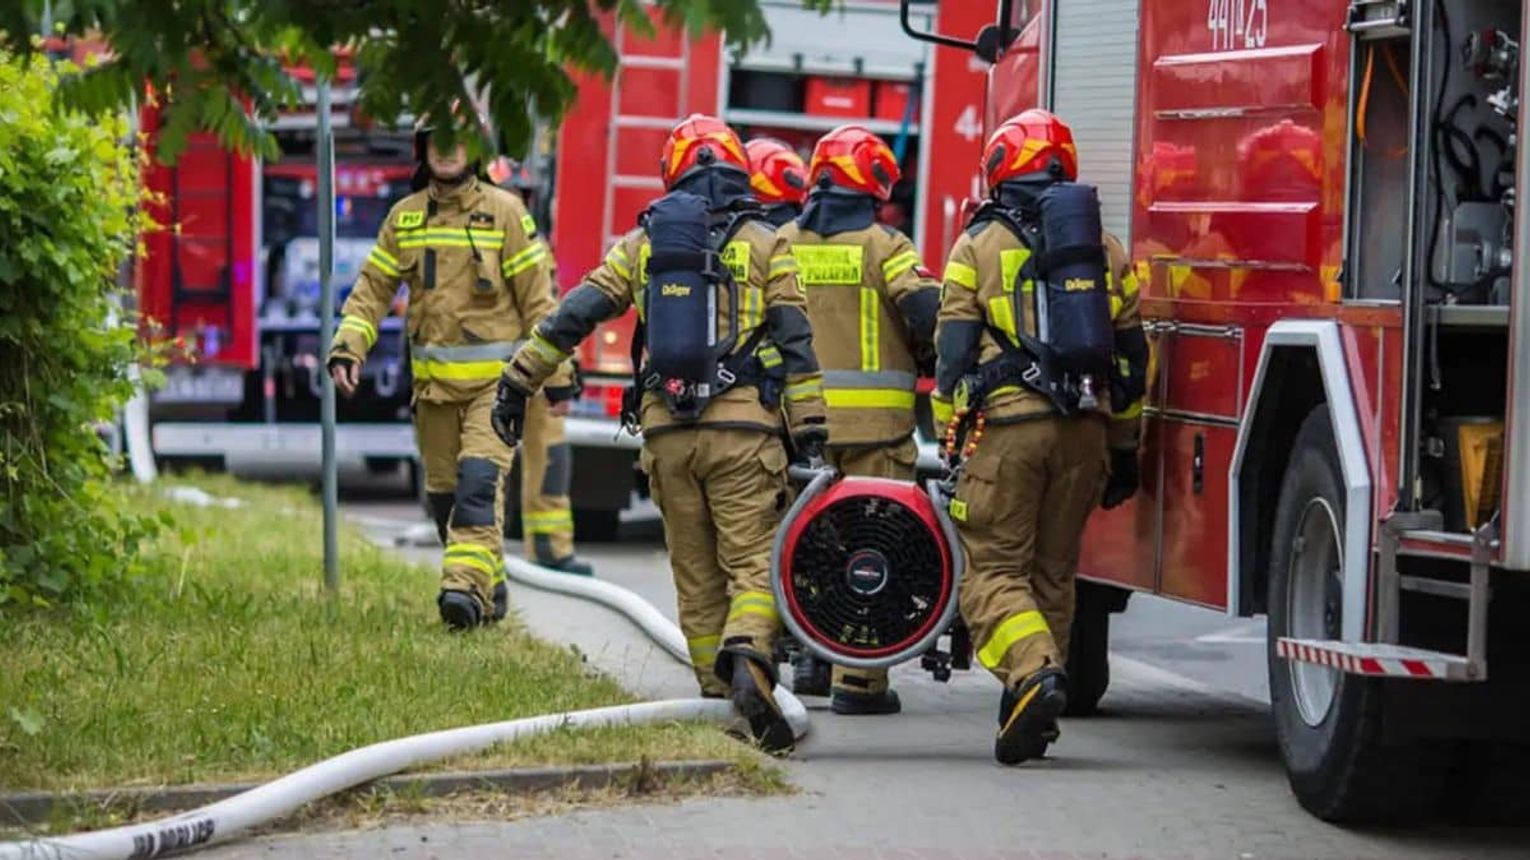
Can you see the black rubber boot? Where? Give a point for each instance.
(571, 564)
(1028, 716)
(856, 704)
(459, 610)
(501, 602)
(754, 700)
(810, 675)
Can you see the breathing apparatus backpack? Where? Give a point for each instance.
(1072, 349)
(689, 360)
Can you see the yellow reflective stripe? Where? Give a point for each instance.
(703, 650)
(868, 398)
(962, 275)
(804, 391)
(782, 264)
(456, 371)
(1005, 389)
(470, 555)
(619, 262)
(871, 339)
(1130, 286)
(1001, 312)
(450, 237)
(1116, 302)
(899, 264)
(769, 356)
(356, 324)
(753, 310)
(546, 348)
(526, 259)
(944, 411)
(384, 261)
(1130, 413)
(760, 603)
(1010, 263)
(547, 522)
(1010, 630)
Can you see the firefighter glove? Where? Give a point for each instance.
(1125, 477)
(571, 391)
(509, 414)
(810, 441)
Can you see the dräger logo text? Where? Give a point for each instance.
(674, 290)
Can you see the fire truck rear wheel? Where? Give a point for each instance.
(1328, 724)
(1088, 656)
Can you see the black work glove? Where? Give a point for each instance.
(560, 393)
(509, 413)
(810, 441)
(1125, 477)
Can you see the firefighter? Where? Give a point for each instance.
(547, 518)
(1035, 463)
(478, 279)
(873, 310)
(778, 178)
(714, 458)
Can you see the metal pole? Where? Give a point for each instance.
(326, 151)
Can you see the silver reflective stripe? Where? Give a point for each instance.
(896, 380)
(500, 350)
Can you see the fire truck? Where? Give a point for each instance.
(1320, 200)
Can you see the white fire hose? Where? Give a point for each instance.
(226, 819)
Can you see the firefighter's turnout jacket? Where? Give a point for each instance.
(478, 280)
(980, 280)
(766, 273)
(873, 316)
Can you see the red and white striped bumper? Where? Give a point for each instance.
(1386, 661)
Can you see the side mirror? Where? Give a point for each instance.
(932, 38)
(989, 44)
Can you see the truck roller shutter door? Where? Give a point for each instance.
(1094, 90)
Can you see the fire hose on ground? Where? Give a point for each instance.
(227, 819)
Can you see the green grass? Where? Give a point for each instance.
(226, 661)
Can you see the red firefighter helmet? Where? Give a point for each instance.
(1031, 144)
(776, 172)
(854, 158)
(700, 142)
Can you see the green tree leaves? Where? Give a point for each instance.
(220, 61)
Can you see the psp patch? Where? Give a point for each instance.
(529, 224)
(406, 220)
(480, 219)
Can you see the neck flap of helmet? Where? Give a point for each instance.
(722, 187)
(831, 209)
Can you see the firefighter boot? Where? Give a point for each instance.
(458, 609)
(810, 675)
(570, 564)
(752, 696)
(501, 602)
(854, 703)
(1030, 723)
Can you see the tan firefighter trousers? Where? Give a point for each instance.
(547, 520)
(722, 493)
(465, 468)
(897, 462)
(1020, 507)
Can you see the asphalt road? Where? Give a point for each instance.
(1180, 764)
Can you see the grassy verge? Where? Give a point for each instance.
(227, 662)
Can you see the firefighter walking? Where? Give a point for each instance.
(477, 275)
(546, 459)
(728, 346)
(873, 311)
(1042, 448)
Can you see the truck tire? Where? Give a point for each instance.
(1329, 724)
(1088, 656)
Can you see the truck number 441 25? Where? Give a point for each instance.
(1237, 24)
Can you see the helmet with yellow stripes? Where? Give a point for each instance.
(776, 172)
(852, 157)
(1034, 144)
(700, 142)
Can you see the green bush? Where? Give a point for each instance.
(69, 204)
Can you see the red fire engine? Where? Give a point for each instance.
(1321, 200)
